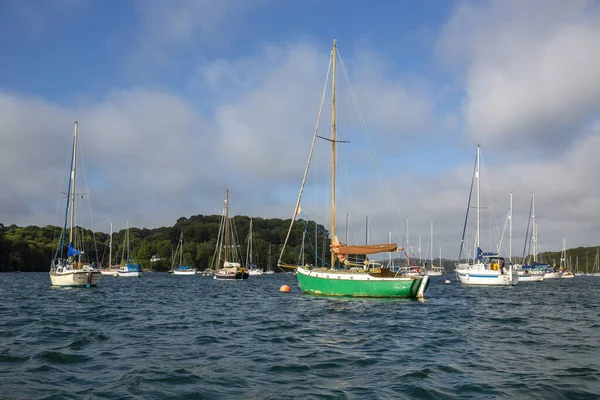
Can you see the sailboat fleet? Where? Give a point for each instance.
(348, 272)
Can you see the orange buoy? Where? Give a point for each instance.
(285, 288)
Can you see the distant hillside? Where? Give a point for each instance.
(31, 248)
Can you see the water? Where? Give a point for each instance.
(164, 336)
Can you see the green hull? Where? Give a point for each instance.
(360, 285)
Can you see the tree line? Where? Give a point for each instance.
(32, 248)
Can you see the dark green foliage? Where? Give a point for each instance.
(32, 248)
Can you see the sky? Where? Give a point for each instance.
(179, 100)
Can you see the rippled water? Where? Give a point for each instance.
(164, 336)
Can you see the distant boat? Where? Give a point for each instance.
(71, 269)
(567, 273)
(345, 275)
(532, 272)
(181, 269)
(485, 268)
(269, 270)
(110, 270)
(227, 251)
(130, 268)
(434, 270)
(253, 269)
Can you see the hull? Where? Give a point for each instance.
(239, 276)
(359, 284)
(129, 273)
(552, 275)
(255, 272)
(434, 273)
(108, 272)
(185, 272)
(270, 272)
(75, 278)
(479, 276)
(531, 278)
(567, 275)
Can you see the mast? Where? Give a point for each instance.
(431, 245)
(510, 228)
(535, 232)
(110, 246)
(477, 242)
(181, 248)
(563, 255)
(367, 231)
(73, 170)
(407, 243)
(249, 249)
(302, 248)
(346, 228)
(269, 258)
(226, 226)
(333, 131)
(390, 241)
(127, 235)
(420, 257)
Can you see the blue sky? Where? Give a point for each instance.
(178, 100)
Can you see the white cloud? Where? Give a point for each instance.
(168, 27)
(531, 69)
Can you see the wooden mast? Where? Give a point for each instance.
(333, 129)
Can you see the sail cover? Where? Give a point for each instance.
(73, 251)
(341, 250)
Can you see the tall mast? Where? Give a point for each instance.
(510, 227)
(226, 225)
(431, 245)
(390, 241)
(333, 130)
(110, 247)
(407, 236)
(420, 258)
(249, 249)
(181, 248)
(367, 231)
(73, 169)
(269, 258)
(127, 234)
(477, 243)
(346, 228)
(535, 233)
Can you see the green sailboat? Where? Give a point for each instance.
(350, 272)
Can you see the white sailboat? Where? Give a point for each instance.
(534, 272)
(227, 251)
(181, 269)
(253, 269)
(269, 270)
(111, 269)
(567, 273)
(484, 268)
(129, 268)
(434, 270)
(72, 270)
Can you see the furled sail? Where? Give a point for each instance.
(73, 251)
(341, 250)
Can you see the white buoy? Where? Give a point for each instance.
(447, 281)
